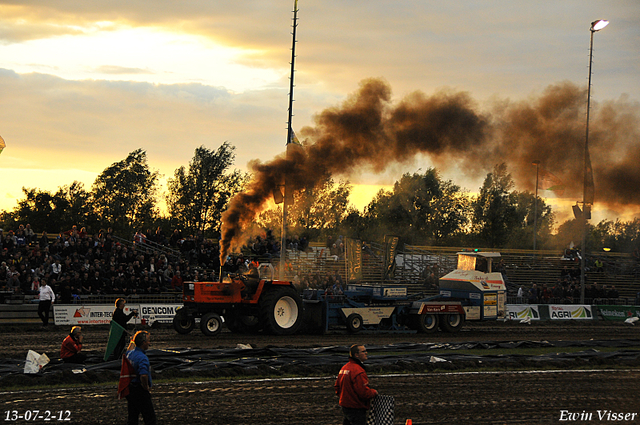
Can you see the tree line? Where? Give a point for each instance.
(421, 208)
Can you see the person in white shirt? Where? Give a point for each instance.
(47, 297)
(56, 269)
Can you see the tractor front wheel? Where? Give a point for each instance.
(183, 323)
(211, 324)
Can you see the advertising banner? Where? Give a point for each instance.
(100, 314)
(571, 312)
(354, 260)
(391, 244)
(162, 313)
(618, 312)
(523, 312)
(93, 314)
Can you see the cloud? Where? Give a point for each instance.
(117, 70)
(499, 53)
(52, 121)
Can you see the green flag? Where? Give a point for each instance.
(115, 333)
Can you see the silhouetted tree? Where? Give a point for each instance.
(495, 209)
(123, 195)
(421, 209)
(55, 212)
(198, 196)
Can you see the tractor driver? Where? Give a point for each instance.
(252, 278)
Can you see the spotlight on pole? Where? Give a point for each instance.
(588, 193)
(598, 25)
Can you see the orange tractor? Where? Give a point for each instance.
(246, 303)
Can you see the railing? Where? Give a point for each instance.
(163, 298)
(587, 301)
(149, 245)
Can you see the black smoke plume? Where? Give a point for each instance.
(369, 132)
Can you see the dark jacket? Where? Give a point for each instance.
(120, 318)
(352, 386)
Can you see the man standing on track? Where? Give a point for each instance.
(139, 398)
(46, 297)
(352, 386)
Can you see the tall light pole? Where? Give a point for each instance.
(587, 198)
(286, 195)
(535, 209)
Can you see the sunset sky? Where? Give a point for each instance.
(85, 82)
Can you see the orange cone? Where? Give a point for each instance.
(409, 422)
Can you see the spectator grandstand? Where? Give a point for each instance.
(87, 268)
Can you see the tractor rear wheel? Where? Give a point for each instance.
(183, 323)
(211, 324)
(281, 310)
(426, 323)
(452, 322)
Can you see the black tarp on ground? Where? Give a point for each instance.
(407, 357)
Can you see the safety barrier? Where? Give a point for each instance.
(28, 313)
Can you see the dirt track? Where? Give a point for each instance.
(433, 398)
(487, 398)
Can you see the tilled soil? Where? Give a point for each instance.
(476, 397)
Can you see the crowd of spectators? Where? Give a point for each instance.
(567, 290)
(77, 263)
(331, 283)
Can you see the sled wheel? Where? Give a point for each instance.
(354, 323)
(427, 323)
(452, 322)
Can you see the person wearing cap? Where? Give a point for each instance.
(139, 398)
(352, 386)
(71, 347)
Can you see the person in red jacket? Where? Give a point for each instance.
(71, 347)
(352, 386)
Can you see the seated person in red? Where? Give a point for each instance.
(71, 347)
